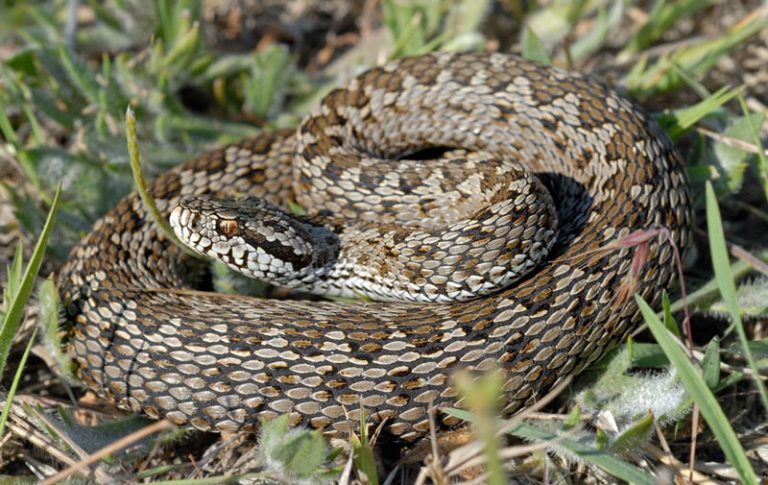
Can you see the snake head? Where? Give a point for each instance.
(253, 237)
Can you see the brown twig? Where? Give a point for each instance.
(108, 450)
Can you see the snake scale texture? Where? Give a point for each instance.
(221, 363)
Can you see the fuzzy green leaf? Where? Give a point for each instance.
(669, 320)
(298, 453)
(82, 78)
(732, 162)
(595, 37)
(48, 304)
(272, 432)
(302, 453)
(755, 138)
(627, 396)
(695, 58)
(648, 356)
(751, 298)
(710, 364)
(634, 435)
(265, 87)
(14, 276)
(533, 48)
(573, 418)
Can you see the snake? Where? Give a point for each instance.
(489, 202)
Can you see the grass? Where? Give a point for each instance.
(17, 292)
(61, 122)
(694, 378)
(140, 181)
(702, 396)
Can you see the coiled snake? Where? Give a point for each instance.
(221, 362)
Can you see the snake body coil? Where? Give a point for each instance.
(221, 363)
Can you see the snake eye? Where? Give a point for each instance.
(228, 227)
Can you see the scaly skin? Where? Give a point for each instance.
(221, 363)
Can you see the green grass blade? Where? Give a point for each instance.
(34, 124)
(362, 452)
(141, 184)
(83, 79)
(15, 383)
(265, 87)
(184, 48)
(15, 313)
(661, 19)
(696, 57)
(364, 459)
(702, 396)
(6, 128)
(677, 123)
(721, 264)
(762, 159)
(14, 276)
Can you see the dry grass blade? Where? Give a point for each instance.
(682, 470)
(346, 474)
(729, 140)
(750, 258)
(465, 454)
(22, 426)
(508, 453)
(433, 467)
(108, 450)
(55, 435)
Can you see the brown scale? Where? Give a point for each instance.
(256, 359)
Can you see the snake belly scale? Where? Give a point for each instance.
(221, 363)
